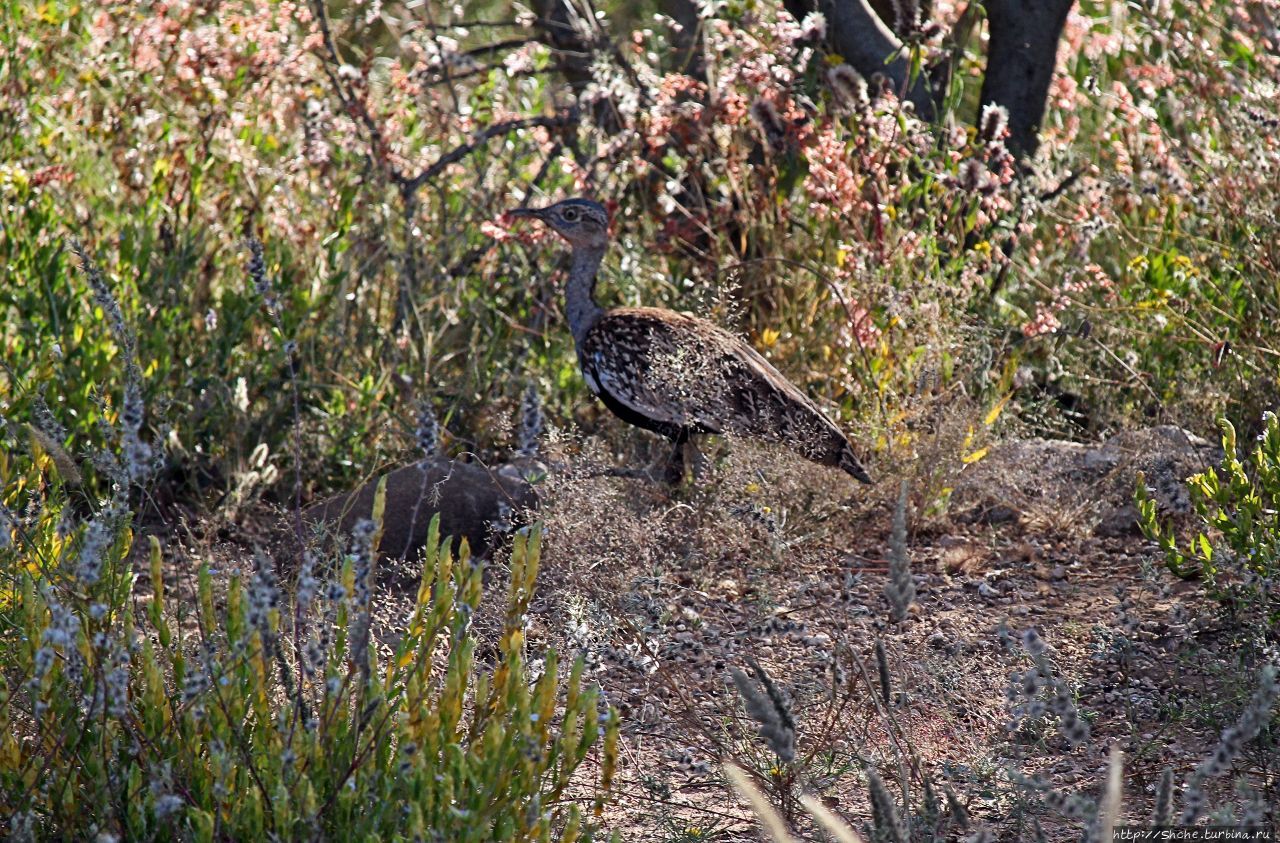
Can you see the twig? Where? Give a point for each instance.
(1062, 187)
(497, 129)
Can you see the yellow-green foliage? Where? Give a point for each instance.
(1238, 505)
(117, 718)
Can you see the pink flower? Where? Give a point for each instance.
(496, 230)
(1044, 323)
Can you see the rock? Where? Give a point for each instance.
(1120, 521)
(995, 514)
(474, 502)
(1045, 479)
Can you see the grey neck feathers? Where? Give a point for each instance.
(579, 295)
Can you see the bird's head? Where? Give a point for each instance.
(582, 222)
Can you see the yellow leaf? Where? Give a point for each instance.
(769, 337)
(379, 507)
(990, 418)
(969, 459)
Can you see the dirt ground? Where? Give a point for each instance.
(664, 596)
(784, 564)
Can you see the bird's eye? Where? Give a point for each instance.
(571, 214)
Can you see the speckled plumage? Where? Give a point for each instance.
(677, 374)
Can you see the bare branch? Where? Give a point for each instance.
(505, 128)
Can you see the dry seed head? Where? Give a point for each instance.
(1163, 814)
(308, 584)
(900, 589)
(257, 268)
(771, 710)
(882, 665)
(428, 429)
(98, 538)
(883, 810)
(45, 421)
(1256, 714)
(906, 16)
(1033, 643)
(361, 555)
(532, 423)
(993, 126)
(263, 596)
(103, 297)
(976, 178)
(959, 814)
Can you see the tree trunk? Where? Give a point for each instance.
(688, 42)
(862, 39)
(1022, 52)
(556, 20)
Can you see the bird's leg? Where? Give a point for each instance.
(692, 456)
(673, 474)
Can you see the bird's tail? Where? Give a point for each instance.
(849, 463)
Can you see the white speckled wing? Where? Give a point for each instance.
(654, 368)
(672, 373)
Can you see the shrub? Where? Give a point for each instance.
(156, 728)
(1023, 806)
(127, 715)
(1236, 551)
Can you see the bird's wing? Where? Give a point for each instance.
(762, 382)
(654, 363)
(675, 371)
(678, 369)
(772, 407)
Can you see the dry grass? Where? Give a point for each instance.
(762, 560)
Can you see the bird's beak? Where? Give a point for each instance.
(520, 213)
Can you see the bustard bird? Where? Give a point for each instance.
(676, 374)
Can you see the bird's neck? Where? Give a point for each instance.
(579, 294)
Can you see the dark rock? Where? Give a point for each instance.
(475, 502)
(1120, 521)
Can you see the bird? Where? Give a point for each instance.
(674, 373)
